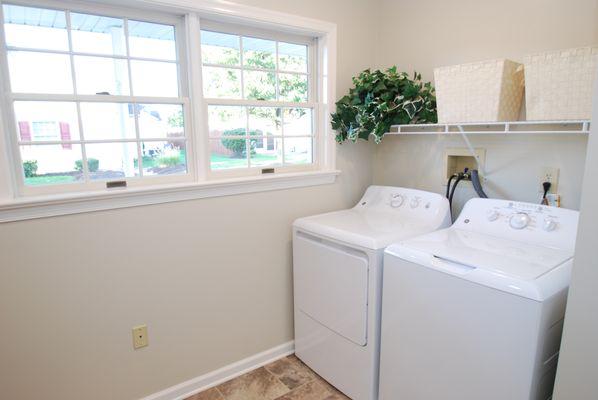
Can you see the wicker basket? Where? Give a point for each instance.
(487, 91)
(559, 84)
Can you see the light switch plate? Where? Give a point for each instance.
(140, 336)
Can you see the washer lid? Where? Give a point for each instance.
(368, 228)
(503, 264)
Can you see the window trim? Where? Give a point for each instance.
(14, 206)
(23, 190)
(312, 101)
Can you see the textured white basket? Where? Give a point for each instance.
(558, 84)
(486, 91)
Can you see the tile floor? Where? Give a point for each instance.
(284, 379)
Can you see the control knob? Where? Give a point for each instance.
(549, 224)
(414, 202)
(519, 220)
(492, 215)
(396, 200)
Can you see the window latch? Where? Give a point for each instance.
(116, 184)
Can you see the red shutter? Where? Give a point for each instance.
(24, 131)
(65, 134)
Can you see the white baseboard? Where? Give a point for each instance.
(211, 379)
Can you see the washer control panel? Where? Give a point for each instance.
(510, 219)
(524, 216)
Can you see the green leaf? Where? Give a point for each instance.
(381, 99)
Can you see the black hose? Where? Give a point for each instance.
(477, 186)
(450, 199)
(448, 185)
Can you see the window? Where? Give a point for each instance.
(108, 104)
(259, 92)
(95, 93)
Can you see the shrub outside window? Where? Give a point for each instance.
(259, 93)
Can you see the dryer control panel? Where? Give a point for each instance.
(533, 223)
(405, 203)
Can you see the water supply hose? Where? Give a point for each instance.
(477, 186)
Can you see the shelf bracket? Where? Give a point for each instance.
(472, 151)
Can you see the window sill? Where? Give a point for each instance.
(49, 206)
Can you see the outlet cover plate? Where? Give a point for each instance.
(550, 174)
(140, 336)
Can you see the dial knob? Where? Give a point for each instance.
(519, 220)
(414, 202)
(396, 200)
(492, 215)
(549, 224)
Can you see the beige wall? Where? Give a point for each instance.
(423, 34)
(578, 361)
(211, 278)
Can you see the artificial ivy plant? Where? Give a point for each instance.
(381, 99)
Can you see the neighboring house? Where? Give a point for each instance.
(153, 125)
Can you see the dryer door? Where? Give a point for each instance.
(331, 285)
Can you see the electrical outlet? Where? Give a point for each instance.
(550, 174)
(140, 336)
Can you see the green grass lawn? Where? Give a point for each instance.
(218, 161)
(150, 162)
(49, 180)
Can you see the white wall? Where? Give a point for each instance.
(578, 360)
(211, 278)
(423, 34)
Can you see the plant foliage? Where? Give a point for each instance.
(30, 168)
(381, 99)
(234, 141)
(93, 164)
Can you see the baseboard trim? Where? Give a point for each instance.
(211, 379)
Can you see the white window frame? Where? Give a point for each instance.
(311, 103)
(68, 6)
(204, 182)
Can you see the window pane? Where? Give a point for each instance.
(292, 57)
(104, 121)
(46, 121)
(35, 28)
(26, 76)
(220, 48)
(228, 153)
(97, 34)
(298, 150)
(159, 79)
(259, 53)
(293, 87)
(51, 164)
(149, 40)
(99, 75)
(221, 83)
(111, 160)
(161, 121)
(265, 120)
(164, 158)
(297, 121)
(267, 150)
(259, 85)
(225, 119)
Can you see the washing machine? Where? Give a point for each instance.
(337, 271)
(476, 311)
